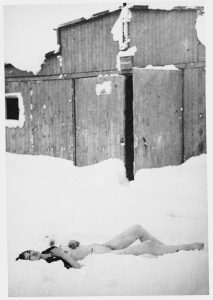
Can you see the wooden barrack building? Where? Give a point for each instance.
(88, 104)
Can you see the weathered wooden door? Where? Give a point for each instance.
(157, 110)
(51, 109)
(99, 104)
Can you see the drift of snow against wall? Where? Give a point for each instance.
(49, 198)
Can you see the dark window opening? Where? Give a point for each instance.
(129, 129)
(12, 108)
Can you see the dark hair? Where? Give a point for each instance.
(22, 255)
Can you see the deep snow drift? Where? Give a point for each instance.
(50, 198)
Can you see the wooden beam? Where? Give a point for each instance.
(91, 74)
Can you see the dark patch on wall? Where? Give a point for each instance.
(129, 137)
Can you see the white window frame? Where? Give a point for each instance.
(21, 119)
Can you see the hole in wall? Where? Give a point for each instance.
(129, 136)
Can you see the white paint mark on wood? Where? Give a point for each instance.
(104, 88)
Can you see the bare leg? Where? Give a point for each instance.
(155, 248)
(129, 236)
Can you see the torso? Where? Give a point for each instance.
(82, 251)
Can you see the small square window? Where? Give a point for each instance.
(14, 110)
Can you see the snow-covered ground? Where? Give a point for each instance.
(50, 198)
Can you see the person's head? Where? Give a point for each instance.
(29, 255)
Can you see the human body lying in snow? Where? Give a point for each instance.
(120, 244)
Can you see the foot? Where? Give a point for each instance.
(194, 246)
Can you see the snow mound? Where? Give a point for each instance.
(184, 179)
(51, 199)
(61, 169)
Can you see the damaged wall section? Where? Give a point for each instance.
(156, 37)
(164, 37)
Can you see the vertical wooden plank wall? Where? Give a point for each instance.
(68, 94)
(17, 139)
(48, 119)
(164, 37)
(89, 46)
(157, 118)
(34, 109)
(50, 66)
(23, 135)
(9, 131)
(99, 120)
(194, 112)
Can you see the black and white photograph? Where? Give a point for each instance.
(105, 147)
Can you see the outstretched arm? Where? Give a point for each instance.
(58, 252)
